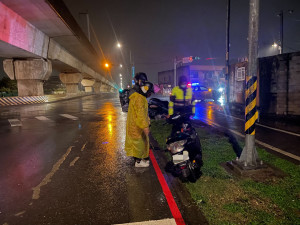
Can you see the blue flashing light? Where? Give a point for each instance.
(195, 84)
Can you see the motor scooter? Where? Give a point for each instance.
(185, 148)
(157, 109)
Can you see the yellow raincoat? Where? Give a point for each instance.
(137, 143)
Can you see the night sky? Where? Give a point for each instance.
(157, 31)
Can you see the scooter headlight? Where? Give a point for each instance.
(176, 147)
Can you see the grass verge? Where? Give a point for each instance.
(228, 199)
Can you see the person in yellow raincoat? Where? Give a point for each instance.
(137, 126)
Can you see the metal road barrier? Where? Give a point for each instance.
(22, 100)
(251, 113)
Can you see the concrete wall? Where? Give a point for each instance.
(278, 89)
(280, 84)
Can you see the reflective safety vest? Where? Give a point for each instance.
(180, 100)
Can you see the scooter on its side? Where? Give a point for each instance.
(185, 148)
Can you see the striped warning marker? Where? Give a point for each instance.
(251, 113)
(22, 100)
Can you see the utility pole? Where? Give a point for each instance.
(249, 156)
(227, 50)
(281, 31)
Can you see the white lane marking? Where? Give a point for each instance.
(272, 128)
(47, 179)
(284, 131)
(69, 116)
(260, 142)
(74, 161)
(83, 147)
(15, 122)
(153, 222)
(42, 118)
(20, 213)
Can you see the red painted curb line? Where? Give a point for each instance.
(171, 202)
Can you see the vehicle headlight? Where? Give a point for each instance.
(220, 89)
(176, 147)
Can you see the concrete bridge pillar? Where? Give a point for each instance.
(30, 75)
(97, 87)
(103, 87)
(88, 85)
(71, 80)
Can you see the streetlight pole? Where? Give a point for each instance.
(131, 62)
(281, 29)
(227, 51)
(175, 69)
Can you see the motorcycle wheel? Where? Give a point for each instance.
(195, 172)
(184, 176)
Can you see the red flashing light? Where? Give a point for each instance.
(189, 84)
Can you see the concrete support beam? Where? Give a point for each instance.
(71, 80)
(19, 33)
(97, 87)
(104, 88)
(88, 85)
(30, 75)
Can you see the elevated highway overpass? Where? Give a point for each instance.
(37, 36)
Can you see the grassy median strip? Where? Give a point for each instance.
(229, 199)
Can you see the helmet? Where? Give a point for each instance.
(182, 79)
(140, 76)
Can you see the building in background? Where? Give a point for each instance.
(206, 75)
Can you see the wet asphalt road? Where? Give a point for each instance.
(278, 136)
(71, 168)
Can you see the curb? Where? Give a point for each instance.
(191, 213)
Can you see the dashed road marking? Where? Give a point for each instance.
(47, 179)
(69, 116)
(74, 161)
(42, 118)
(153, 222)
(20, 213)
(83, 147)
(15, 122)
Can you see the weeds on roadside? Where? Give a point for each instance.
(227, 199)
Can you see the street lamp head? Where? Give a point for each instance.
(106, 65)
(119, 45)
(121, 65)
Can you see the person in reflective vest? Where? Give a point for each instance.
(181, 99)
